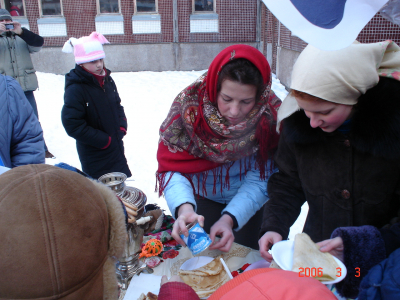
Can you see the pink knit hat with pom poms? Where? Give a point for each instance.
(86, 48)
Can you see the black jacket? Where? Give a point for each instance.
(347, 179)
(92, 114)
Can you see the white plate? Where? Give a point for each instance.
(199, 261)
(196, 262)
(282, 252)
(258, 265)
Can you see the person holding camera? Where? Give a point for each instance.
(16, 45)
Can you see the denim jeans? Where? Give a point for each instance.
(31, 99)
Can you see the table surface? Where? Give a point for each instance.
(235, 259)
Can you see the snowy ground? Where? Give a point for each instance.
(146, 97)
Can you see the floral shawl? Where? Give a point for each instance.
(196, 138)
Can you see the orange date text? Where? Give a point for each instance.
(317, 272)
(310, 272)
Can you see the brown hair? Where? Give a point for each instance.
(243, 71)
(305, 96)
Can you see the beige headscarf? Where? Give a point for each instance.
(341, 76)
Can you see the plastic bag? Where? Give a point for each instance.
(391, 11)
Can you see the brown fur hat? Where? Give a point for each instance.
(59, 232)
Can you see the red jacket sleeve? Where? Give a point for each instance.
(177, 291)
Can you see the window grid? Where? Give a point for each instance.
(20, 9)
(203, 6)
(47, 7)
(146, 12)
(102, 6)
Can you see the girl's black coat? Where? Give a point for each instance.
(91, 114)
(347, 179)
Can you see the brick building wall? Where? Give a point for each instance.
(236, 22)
(80, 20)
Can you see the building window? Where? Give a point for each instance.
(146, 6)
(146, 19)
(203, 6)
(109, 19)
(51, 7)
(51, 22)
(204, 18)
(108, 6)
(15, 7)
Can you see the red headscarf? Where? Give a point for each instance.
(195, 137)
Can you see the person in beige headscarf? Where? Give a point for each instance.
(339, 151)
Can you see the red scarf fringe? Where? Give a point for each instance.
(217, 173)
(268, 139)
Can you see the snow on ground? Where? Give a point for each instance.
(146, 97)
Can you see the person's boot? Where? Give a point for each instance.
(47, 154)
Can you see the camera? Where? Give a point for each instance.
(9, 26)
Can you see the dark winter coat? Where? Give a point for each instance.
(92, 115)
(365, 247)
(348, 179)
(21, 137)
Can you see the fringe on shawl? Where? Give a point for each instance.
(268, 139)
(224, 181)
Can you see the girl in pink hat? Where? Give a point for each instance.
(92, 113)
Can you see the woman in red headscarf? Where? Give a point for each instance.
(216, 146)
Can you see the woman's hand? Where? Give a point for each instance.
(266, 242)
(186, 215)
(333, 246)
(222, 227)
(165, 279)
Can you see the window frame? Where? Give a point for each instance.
(3, 5)
(145, 12)
(107, 14)
(50, 16)
(214, 11)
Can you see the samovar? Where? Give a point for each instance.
(129, 264)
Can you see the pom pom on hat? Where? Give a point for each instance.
(68, 46)
(86, 48)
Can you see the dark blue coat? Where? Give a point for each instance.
(383, 281)
(365, 249)
(92, 115)
(21, 137)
